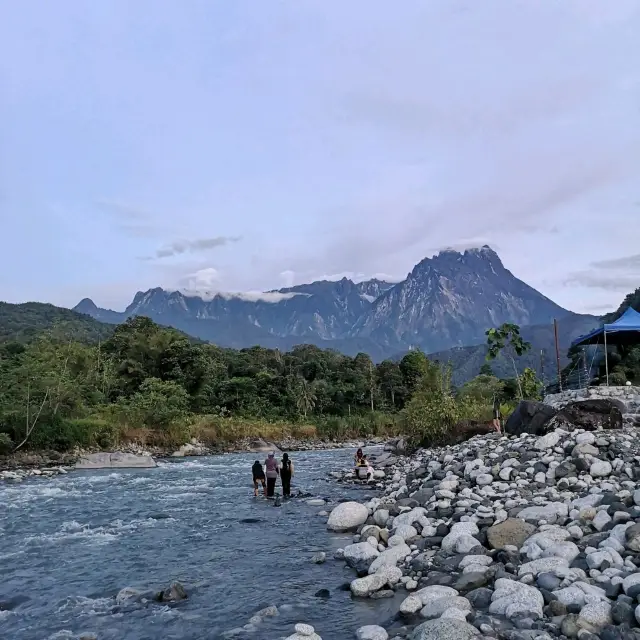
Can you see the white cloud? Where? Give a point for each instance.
(248, 296)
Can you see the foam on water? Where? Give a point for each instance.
(71, 543)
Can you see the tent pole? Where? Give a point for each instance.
(606, 357)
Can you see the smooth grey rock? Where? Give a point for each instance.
(115, 461)
(347, 516)
(444, 629)
(436, 608)
(371, 632)
(359, 556)
(512, 598)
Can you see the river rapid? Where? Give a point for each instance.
(69, 544)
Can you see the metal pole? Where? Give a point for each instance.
(606, 357)
(555, 333)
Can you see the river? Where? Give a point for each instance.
(69, 544)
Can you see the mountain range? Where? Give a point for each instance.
(446, 302)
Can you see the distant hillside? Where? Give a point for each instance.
(466, 361)
(22, 322)
(631, 300)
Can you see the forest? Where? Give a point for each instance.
(143, 382)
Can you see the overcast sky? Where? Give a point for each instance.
(250, 145)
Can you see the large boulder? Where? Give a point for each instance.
(107, 460)
(347, 516)
(466, 429)
(262, 446)
(592, 414)
(529, 417)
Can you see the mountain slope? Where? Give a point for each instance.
(22, 322)
(446, 301)
(452, 299)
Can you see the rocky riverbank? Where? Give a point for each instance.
(24, 464)
(522, 537)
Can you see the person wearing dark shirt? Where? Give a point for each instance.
(286, 473)
(258, 478)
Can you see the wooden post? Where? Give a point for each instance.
(606, 357)
(555, 332)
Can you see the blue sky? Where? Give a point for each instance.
(248, 145)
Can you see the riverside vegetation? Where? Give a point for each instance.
(69, 387)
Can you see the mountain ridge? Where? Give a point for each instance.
(446, 301)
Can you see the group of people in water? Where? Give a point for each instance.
(268, 476)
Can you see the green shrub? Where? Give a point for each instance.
(158, 403)
(6, 444)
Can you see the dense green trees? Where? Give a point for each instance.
(58, 392)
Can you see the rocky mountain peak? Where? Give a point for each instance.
(86, 305)
(447, 300)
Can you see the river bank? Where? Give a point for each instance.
(24, 464)
(515, 538)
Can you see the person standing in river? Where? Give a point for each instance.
(286, 473)
(273, 471)
(258, 478)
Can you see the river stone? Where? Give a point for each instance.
(433, 592)
(130, 594)
(543, 565)
(444, 629)
(484, 479)
(371, 632)
(549, 512)
(600, 468)
(511, 532)
(359, 556)
(381, 517)
(174, 593)
(411, 605)
(304, 632)
(595, 615)
(391, 574)
(362, 587)
(116, 460)
(436, 608)
(512, 598)
(390, 557)
(347, 516)
(457, 530)
(547, 442)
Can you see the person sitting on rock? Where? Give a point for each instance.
(273, 471)
(367, 465)
(358, 457)
(258, 478)
(361, 468)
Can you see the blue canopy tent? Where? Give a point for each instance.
(625, 330)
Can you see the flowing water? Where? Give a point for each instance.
(69, 544)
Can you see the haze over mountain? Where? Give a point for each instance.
(446, 301)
